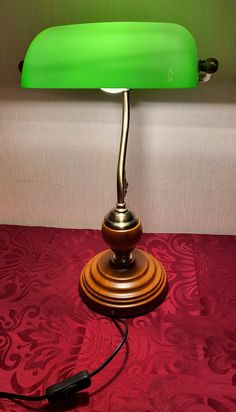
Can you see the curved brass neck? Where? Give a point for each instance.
(121, 175)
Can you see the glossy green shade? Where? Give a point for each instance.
(133, 55)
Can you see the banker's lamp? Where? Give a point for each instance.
(118, 57)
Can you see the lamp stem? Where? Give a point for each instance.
(121, 175)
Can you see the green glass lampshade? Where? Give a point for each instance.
(131, 55)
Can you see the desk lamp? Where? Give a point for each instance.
(118, 57)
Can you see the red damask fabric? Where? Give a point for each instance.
(179, 358)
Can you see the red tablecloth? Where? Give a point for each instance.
(180, 357)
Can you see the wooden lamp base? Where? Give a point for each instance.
(128, 292)
(129, 289)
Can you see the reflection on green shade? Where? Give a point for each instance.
(118, 54)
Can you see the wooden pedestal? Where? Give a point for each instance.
(128, 292)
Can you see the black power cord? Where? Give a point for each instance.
(76, 383)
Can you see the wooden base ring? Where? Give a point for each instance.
(128, 292)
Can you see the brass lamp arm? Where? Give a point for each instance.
(121, 174)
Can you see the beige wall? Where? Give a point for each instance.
(58, 149)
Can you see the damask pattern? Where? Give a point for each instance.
(181, 357)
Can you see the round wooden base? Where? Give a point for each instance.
(128, 292)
